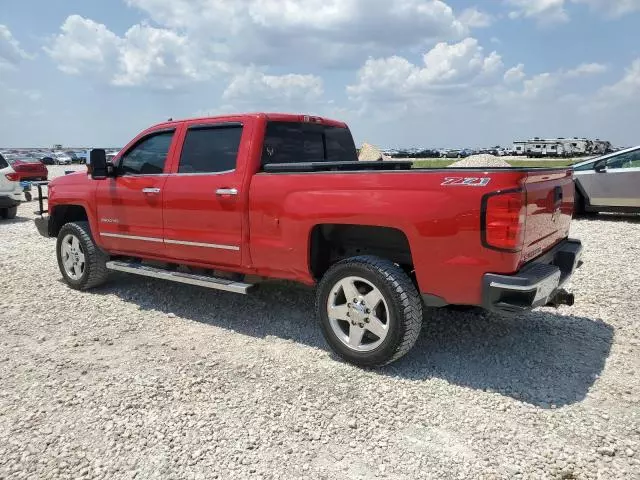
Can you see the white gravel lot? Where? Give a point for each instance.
(149, 379)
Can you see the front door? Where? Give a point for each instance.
(129, 206)
(618, 185)
(203, 201)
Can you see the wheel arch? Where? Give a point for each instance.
(62, 214)
(331, 243)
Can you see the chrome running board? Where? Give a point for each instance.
(180, 277)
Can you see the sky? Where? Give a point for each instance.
(401, 73)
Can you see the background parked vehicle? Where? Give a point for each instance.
(82, 156)
(27, 170)
(10, 190)
(73, 156)
(112, 154)
(610, 183)
(451, 154)
(62, 158)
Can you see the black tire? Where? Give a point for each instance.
(27, 196)
(95, 270)
(9, 213)
(580, 206)
(400, 295)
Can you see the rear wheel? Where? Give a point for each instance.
(81, 262)
(369, 310)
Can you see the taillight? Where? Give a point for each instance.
(14, 177)
(503, 220)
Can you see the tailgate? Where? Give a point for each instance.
(550, 195)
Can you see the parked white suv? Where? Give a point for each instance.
(10, 190)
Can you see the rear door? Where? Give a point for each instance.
(203, 198)
(618, 185)
(129, 206)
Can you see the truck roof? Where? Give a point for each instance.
(272, 116)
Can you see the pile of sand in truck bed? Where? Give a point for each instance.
(482, 160)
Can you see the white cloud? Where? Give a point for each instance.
(32, 95)
(613, 8)
(538, 84)
(253, 84)
(550, 11)
(143, 56)
(462, 75)
(587, 69)
(85, 46)
(514, 74)
(474, 18)
(555, 11)
(625, 90)
(339, 32)
(446, 67)
(10, 52)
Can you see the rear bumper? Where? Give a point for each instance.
(42, 224)
(537, 284)
(11, 200)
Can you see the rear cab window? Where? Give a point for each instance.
(293, 142)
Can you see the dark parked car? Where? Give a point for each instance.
(47, 158)
(73, 155)
(610, 183)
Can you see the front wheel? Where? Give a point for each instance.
(369, 310)
(580, 206)
(81, 262)
(9, 213)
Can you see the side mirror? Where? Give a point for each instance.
(601, 167)
(98, 163)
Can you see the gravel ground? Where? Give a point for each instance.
(149, 379)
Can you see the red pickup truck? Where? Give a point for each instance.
(223, 202)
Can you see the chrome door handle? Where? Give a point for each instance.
(150, 190)
(227, 191)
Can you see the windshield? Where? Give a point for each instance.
(291, 142)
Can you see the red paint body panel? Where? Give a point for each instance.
(547, 223)
(271, 219)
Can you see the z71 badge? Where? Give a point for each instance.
(467, 181)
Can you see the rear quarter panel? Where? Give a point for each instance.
(441, 222)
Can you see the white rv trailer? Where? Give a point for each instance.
(560, 147)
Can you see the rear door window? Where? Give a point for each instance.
(3, 162)
(290, 142)
(210, 149)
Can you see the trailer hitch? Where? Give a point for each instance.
(561, 297)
